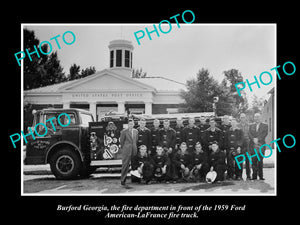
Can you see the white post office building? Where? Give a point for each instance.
(111, 89)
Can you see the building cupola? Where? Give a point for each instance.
(120, 57)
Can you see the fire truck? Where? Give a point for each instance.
(84, 145)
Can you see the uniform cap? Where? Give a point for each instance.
(215, 142)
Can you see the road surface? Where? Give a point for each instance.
(39, 180)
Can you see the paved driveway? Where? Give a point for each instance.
(39, 180)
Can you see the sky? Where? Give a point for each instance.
(177, 55)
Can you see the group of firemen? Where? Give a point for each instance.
(188, 153)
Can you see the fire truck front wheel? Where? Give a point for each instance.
(65, 164)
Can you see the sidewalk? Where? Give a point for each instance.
(108, 184)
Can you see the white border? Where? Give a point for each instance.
(22, 116)
(151, 194)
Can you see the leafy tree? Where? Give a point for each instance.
(200, 92)
(74, 72)
(88, 71)
(230, 102)
(257, 104)
(52, 70)
(43, 70)
(138, 73)
(32, 77)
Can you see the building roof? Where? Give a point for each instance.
(50, 88)
(158, 83)
(162, 83)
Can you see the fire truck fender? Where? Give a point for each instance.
(60, 145)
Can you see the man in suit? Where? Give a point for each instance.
(128, 142)
(244, 126)
(257, 134)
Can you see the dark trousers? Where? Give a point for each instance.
(126, 161)
(199, 175)
(147, 173)
(232, 167)
(257, 165)
(220, 169)
(246, 148)
(158, 176)
(230, 164)
(160, 179)
(171, 168)
(238, 172)
(179, 173)
(171, 173)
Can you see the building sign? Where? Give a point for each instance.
(107, 95)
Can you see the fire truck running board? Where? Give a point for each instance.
(113, 162)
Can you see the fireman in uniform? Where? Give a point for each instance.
(225, 125)
(212, 134)
(200, 164)
(155, 136)
(183, 163)
(233, 142)
(144, 135)
(144, 164)
(178, 129)
(202, 127)
(191, 135)
(161, 161)
(217, 161)
(167, 137)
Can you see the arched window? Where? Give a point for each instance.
(127, 59)
(111, 58)
(119, 58)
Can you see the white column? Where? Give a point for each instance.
(66, 105)
(115, 58)
(121, 107)
(148, 108)
(92, 109)
(123, 57)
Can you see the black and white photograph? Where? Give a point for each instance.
(168, 109)
(149, 113)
